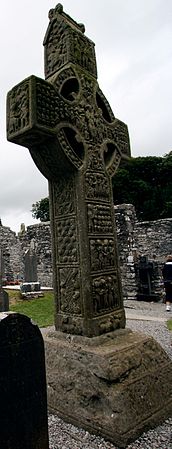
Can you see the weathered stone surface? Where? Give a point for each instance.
(30, 265)
(136, 239)
(77, 143)
(12, 253)
(116, 385)
(23, 404)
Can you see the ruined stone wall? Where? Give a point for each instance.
(152, 239)
(125, 224)
(12, 254)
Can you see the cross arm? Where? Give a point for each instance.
(32, 111)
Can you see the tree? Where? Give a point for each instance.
(40, 210)
(146, 182)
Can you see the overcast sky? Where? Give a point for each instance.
(133, 41)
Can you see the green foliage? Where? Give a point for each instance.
(146, 182)
(40, 310)
(40, 210)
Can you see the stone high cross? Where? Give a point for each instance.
(77, 144)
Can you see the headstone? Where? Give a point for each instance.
(4, 298)
(30, 264)
(23, 404)
(101, 376)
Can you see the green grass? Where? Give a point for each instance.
(40, 310)
(169, 325)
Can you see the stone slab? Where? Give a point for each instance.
(23, 405)
(116, 385)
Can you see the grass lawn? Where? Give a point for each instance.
(41, 310)
(169, 325)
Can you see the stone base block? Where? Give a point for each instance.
(116, 385)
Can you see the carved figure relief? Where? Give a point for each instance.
(64, 43)
(102, 254)
(95, 159)
(19, 108)
(83, 52)
(97, 186)
(56, 48)
(105, 293)
(70, 291)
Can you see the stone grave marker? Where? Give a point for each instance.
(23, 404)
(4, 298)
(30, 264)
(101, 376)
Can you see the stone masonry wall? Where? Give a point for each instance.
(137, 239)
(151, 239)
(12, 253)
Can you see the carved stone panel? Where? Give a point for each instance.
(70, 286)
(18, 108)
(102, 254)
(99, 219)
(65, 43)
(64, 200)
(67, 241)
(97, 186)
(105, 293)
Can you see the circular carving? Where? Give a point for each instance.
(70, 89)
(104, 106)
(109, 153)
(73, 140)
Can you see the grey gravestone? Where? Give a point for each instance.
(30, 264)
(4, 298)
(107, 383)
(23, 404)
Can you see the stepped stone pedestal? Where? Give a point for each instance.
(100, 376)
(116, 385)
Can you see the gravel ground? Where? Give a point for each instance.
(67, 436)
